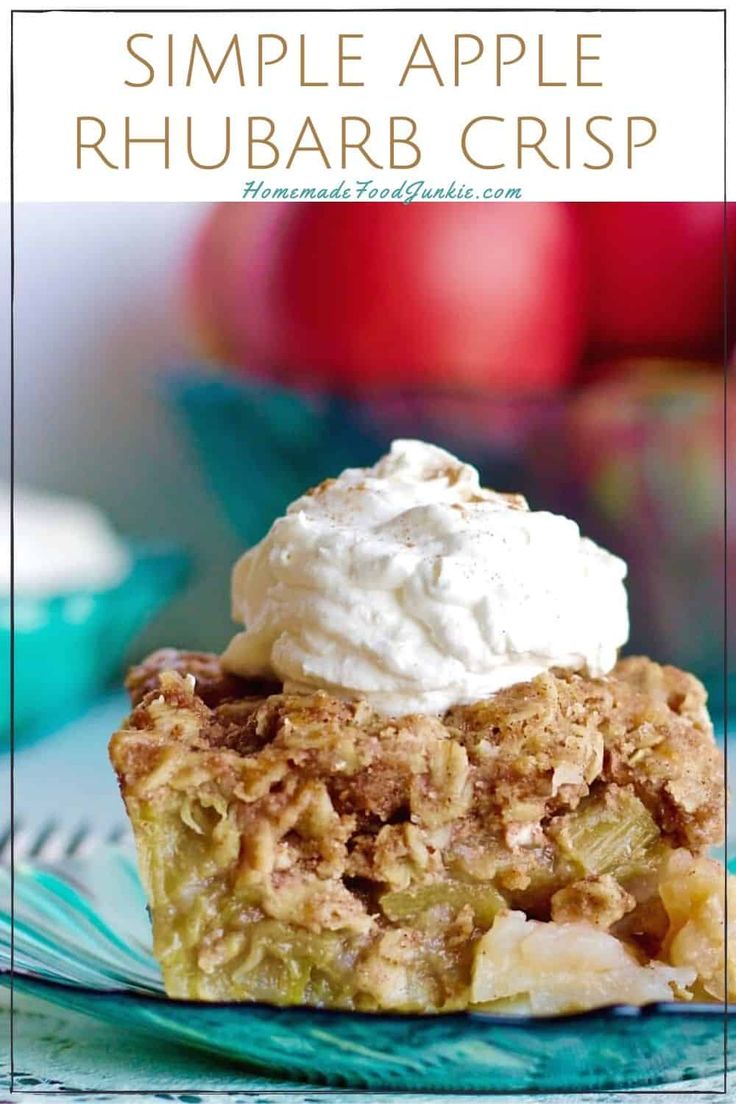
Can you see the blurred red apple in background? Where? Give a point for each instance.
(656, 277)
(211, 296)
(359, 295)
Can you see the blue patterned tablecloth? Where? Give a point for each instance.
(66, 777)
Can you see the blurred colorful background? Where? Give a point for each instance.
(188, 369)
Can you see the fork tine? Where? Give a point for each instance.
(87, 842)
(51, 842)
(118, 835)
(21, 841)
(6, 839)
(48, 844)
(82, 841)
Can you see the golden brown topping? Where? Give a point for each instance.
(214, 685)
(599, 899)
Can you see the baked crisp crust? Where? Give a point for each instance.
(307, 847)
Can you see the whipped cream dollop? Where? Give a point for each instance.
(410, 585)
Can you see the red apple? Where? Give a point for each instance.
(656, 276)
(210, 296)
(356, 295)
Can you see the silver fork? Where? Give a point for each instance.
(52, 842)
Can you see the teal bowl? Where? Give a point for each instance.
(68, 647)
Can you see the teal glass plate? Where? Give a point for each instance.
(82, 941)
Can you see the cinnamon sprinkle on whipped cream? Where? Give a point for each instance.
(410, 585)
